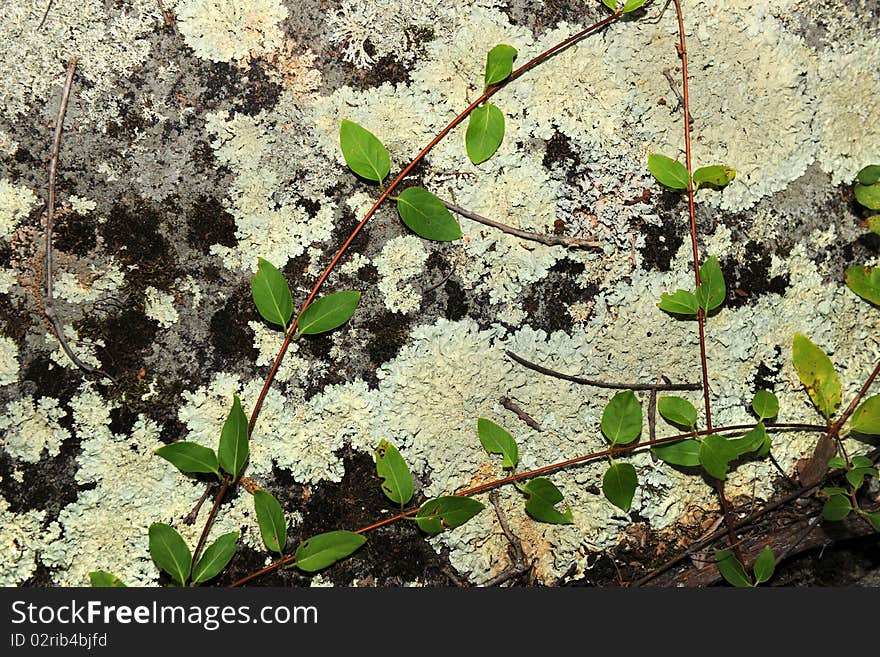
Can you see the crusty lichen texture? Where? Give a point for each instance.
(192, 149)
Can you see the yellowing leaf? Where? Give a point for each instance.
(816, 372)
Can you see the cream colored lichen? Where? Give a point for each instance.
(16, 202)
(81, 204)
(226, 30)
(160, 307)
(29, 428)
(8, 278)
(400, 259)
(97, 284)
(84, 348)
(22, 537)
(8, 361)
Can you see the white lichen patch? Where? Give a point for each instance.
(401, 258)
(847, 120)
(8, 278)
(84, 348)
(268, 342)
(29, 428)
(160, 307)
(15, 204)
(108, 42)
(227, 30)
(81, 204)
(22, 537)
(97, 284)
(8, 361)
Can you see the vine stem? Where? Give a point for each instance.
(204, 535)
(480, 488)
(701, 316)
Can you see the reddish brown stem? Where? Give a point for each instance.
(613, 451)
(204, 536)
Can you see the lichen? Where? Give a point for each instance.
(84, 348)
(98, 283)
(226, 30)
(15, 204)
(401, 259)
(160, 307)
(8, 361)
(22, 537)
(29, 428)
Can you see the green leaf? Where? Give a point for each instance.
(326, 549)
(869, 174)
(873, 517)
(632, 5)
(190, 457)
(543, 496)
(816, 372)
(215, 557)
(271, 294)
(676, 410)
(668, 172)
(683, 452)
(499, 64)
(103, 579)
(680, 303)
(271, 519)
(712, 291)
(837, 507)
(765, 404)
(751, 442)
(868, 195)
(834, 490)
(485, 132)
(426, 216)
(856, 476)
(873, 223)
(716, 453)
(713, 176)
(363, 153)
(619, 485)
(449, 512)
(496, 440)
(865, 281)
(731, 569)
(866, 418)
(397, 482)
(836, 462)
(170, 551)
(765, 565)
(328, 312)
(233, 450)
(611, 4)
(862, 462)
(622, 418)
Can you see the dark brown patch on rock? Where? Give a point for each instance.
(209, 224)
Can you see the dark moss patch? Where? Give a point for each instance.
(661, 245)
(49, 379)
(14, 320)
(558, 152)
(387, 69)
(765, 376)
(749, 277)
(48, 485)
(210, 223)
(231, 336)
(546, 304)
(133, 233)
(75, 234)
(388, 333)
(259, 92)
(858, 250)
(456, 301)
(127, 337)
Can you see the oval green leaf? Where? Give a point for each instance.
(873, 517)
(496, 439)
(712, 290)
(836, 462)
(668, 172)
(713, 176)
(271, 519)
(869, 174)
(731, 569)
(716, 453)
(233, 450)
(363, 152)
(868, 195)
(543, 496)
(611, 4)
(816, 372)
(619, 485)
(170, 552)
(271, 294)
(765, 404)
(499, 64)
(215, 558)
(865, 281)
(866, 418)
(190, 457)
(449, 512)
(622, 418)
(873, 223)
(328, 312)
(683, 452)
(426, 216)
(632, 5)
(678, 411)
(856, 476)
(753, 441)
(680, 303)
(485, 132)
(326, 549)
(397, 481)
(837, 507)
(103, 579)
